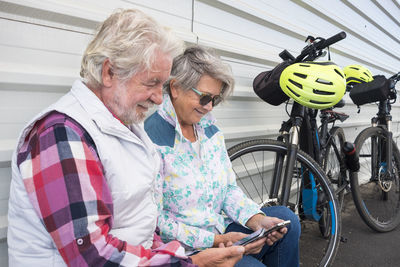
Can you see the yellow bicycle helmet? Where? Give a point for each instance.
(357, 74)
(318, 85)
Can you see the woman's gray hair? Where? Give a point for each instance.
(196, 61)
(130, 40)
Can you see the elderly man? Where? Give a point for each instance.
(83, 190)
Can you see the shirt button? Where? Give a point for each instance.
(79, 241)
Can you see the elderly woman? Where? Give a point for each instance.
(202, 205)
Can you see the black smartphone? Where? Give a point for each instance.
(260, 233)
(251, 237)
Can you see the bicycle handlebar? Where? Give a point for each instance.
(395, 77)
(311, 51)
(331, 40)
(393, 92)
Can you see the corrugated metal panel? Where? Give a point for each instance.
(41, 43)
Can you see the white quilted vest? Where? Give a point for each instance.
(130, 162)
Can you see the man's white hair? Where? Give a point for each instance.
(129, 39)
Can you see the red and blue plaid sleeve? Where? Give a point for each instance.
(64, 180)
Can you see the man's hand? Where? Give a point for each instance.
(228, 237)
(219, 257)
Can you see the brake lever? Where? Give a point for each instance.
(310, 50)
(314, 55)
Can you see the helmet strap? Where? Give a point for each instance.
(329, 54)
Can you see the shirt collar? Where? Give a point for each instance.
(167, 111)
(101, 115)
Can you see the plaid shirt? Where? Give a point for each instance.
(64, 179)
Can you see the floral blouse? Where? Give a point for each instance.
(200, 194)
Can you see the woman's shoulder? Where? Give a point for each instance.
(159, 130)
(211, 130)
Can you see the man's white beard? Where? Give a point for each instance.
(126, 114)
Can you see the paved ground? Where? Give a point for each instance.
(364, 247)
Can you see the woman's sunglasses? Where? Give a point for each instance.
(206, 98)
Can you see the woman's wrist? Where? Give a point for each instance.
(254, 222)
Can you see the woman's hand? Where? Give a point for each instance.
(261, 221)
(267, 222)
(255, 247)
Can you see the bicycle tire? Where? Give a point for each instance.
(331, 164)
(379, 209)
(331, 161)
(252, 162)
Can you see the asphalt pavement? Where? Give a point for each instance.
(365, 247)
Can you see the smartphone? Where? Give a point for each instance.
(260, 233)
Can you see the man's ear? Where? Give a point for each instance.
(107, 73)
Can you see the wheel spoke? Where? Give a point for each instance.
(377, 193)
(254, 162)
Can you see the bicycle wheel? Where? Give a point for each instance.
(331, 163)
(376, 190)
(254, 163)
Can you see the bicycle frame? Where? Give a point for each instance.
(297, 115)
(324, 140)
(292, 137)
(383, 119)
(319, 139)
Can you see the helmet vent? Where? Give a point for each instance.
(366, 74)
(303, 76)
(319, 92)
(319, 102)
(324, 81)
(338, 72)
(354, 68)
(296, 94)
(305, 65)
(296, 84)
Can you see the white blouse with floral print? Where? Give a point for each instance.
(200, 194)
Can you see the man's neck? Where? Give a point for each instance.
(97, 92)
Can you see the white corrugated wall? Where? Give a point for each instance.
(41, 43)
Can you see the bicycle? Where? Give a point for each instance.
(337, 170)
(291, 177)
(376, 187)
(326, 146)
(327, 150)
